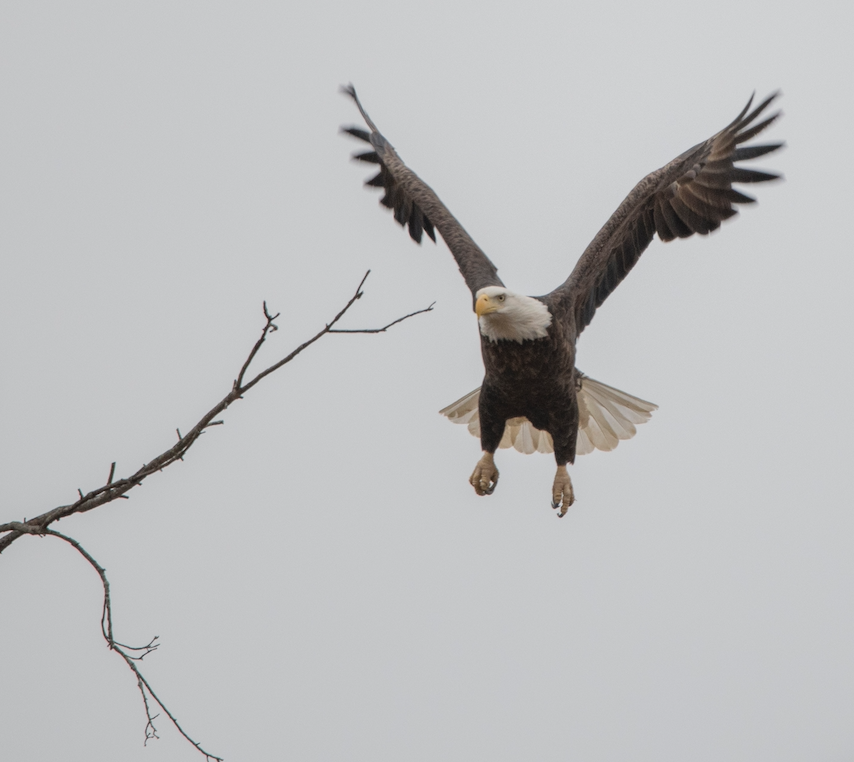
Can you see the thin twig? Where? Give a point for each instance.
(150, 730)
(305, 345)
(107, 631)
(169, 714)
(385, 327)
(268, 328)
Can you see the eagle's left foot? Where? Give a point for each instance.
(485, 476)
(562, 495)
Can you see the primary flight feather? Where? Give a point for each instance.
(533, 397)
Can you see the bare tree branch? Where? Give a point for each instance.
(116, 488)
(12, 530)
(107, 631)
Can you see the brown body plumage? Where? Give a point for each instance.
(533, 380)
(536, 378)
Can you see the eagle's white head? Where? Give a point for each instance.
(505, 315)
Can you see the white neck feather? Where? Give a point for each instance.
(521, 318)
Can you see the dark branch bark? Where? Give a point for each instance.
(12, 530)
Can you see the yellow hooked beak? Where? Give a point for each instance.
(484, 305)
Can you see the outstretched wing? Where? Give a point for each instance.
(416, 205)
(691, 194)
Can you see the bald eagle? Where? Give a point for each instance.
(532, 395)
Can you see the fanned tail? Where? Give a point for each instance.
(605, 416)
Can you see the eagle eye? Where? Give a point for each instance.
(501, 297)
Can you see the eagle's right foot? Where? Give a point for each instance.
(485, 475)
(562, 494)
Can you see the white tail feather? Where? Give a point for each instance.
(605, 416)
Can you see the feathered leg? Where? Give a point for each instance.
(562, 495)
(492, 422)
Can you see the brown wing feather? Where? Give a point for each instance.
(691, 194)
(417, 207)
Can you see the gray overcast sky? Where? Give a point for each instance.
(325, 583)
